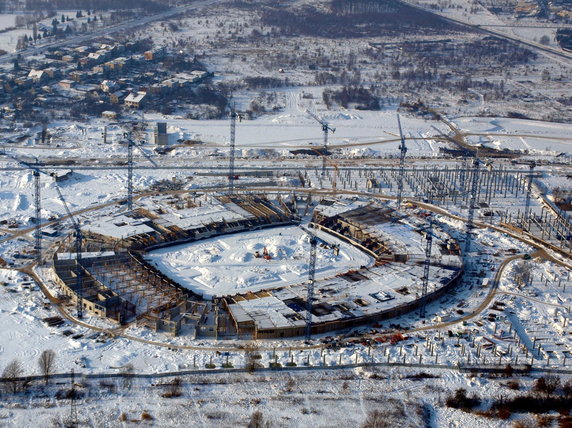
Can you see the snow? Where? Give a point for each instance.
(227, 265)
(518, 134)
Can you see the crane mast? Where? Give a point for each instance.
(36, 171)
(129, 172)
(78, 253)
(38, 207)
(311, 282)
(326, 128)
(526, 220)
(426, 266)
(403, 152)
(472, 203)
(231, 175)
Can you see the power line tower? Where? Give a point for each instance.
(311, 282)
(426, 266)
(403, 152)
(472, 202)
(231, 174)
(78, 255)
(38, 207)
(526, 220)
(73, 421)
(129, 172)
(326, 128)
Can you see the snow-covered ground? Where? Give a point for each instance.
(9, 39)
(333, 399)
(229, 265)
(518, 134)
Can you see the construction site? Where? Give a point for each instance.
(119, 283)
(289, 251)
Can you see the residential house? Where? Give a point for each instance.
(38, 76)
(117, 97)
(135, 99)
(66, 84)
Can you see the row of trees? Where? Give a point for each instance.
(15, 370)
(38, 5)
(363, 97)
(369, 18)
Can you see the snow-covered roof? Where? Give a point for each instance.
(118, 227)
(36, 74)
(135, 97)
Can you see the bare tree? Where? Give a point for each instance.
(174, 388)
(251, 356)
(46, 362)
(11, 373)
(547, 384)
(257, 420)
(376, 419)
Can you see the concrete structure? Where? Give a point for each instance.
(122, 285)
(161, 136)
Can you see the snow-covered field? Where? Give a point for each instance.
(518, 134)
(234, 264)
(520, 323)
(322, 399)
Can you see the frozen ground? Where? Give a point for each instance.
(322, 399)
(358, 134)
(9, 39)
(518, 134)
(228, 265)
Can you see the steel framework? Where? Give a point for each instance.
(232, 154)
(78, 255)
(403, 152)
(326, 128)
(311, 282)
(426, 266)
(526, 219)
(472, 203)
(129, 173)
(38, 207)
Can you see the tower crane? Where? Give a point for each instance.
(472, 203)
(526, 220)
(36, 171)
(78, 254)
(326, 128)
(426, 266)
(473, 197)
(231, 174)
(129, 171)
(130, 144)
(311, 282)
(403, 152)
